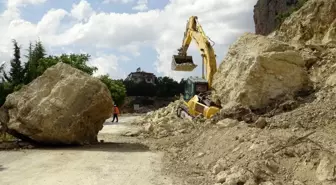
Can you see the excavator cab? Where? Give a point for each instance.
(194, 86)
(183, 63)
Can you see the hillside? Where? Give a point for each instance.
(277, 125)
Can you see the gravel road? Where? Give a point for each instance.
(116, 161)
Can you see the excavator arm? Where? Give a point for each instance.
(182, 62)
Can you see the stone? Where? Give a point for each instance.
(62, 106)
(227, 122)
(257, 70)
(326, 170)
(200, 154)
(217, 168)
(239, 176)
(261, 123)
(148, 127)
(267, 183)
(221, 176)
(312, 24)
(296, 182)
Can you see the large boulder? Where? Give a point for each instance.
(257, 70)
(63, 106)
(313, 24)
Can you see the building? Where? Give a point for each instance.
(141, 76)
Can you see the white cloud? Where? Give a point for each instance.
(132, 49)
(222, 20)
(51, 21)
(17, 3)
(108, 64)
(117, 1)
(82, 10)
(141, 5)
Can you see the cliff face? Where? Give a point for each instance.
(268, 14)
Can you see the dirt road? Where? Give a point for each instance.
(118, 161)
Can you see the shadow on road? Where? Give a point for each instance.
(106, 147)
(2, 168)
(112, 123)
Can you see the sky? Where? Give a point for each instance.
(122, 35)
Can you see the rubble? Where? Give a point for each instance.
(313, 24)
(164, 122)
(62, 106)
(277, 125)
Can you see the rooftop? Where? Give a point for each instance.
(197, 79)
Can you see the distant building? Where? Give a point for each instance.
(141, 76)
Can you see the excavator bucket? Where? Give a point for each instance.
(183, 63)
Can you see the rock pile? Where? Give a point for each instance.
(295, 146)
(164, 122)
(63, 106)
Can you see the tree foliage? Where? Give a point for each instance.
(117, 89)
(163, 87)
(37, 62)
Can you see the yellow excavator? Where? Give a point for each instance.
(197, 90)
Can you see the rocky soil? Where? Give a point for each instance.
(284, 136)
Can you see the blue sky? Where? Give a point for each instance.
(122, 35)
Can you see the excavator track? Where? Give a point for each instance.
(182, 112)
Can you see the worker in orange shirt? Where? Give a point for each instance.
(116, 112)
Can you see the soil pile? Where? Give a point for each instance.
(292, 141)
(164, 122)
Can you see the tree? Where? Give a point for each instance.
(140, 89)
(37, 63)
(116, 87)
(35, 54)
(16, 73)
(167, 87)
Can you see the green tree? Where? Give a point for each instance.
(140, 89)
(16, 73)
(35, 54)
(5, 89)
(167, 87)
(116, 87)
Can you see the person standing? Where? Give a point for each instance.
(116, 112)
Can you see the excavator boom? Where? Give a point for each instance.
(182, 62)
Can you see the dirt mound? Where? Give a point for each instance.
(288, 92)
(164, 122)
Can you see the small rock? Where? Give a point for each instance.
(201, 154)
(326, 169)
(221, 176)
(298, 183)
(267, 183)
(261, 123)
(225, 123)
(216, 169)
(148, 127)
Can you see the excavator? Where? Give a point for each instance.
(197, 90)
